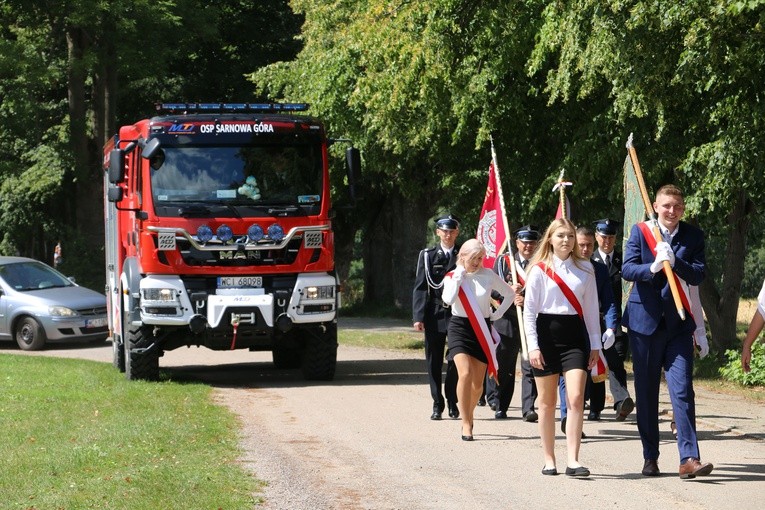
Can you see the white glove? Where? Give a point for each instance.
(671, 254)
(458, 273)
(663, 252)
(701, 341)
(608, 339)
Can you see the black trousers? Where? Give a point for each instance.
(435, 346)
(596, 392)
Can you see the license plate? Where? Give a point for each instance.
(238, 282)
(96, 323)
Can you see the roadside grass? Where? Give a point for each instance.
(381, 340)
(76, 435)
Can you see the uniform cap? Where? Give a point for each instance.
(447, 222)
(606, 226)
(527, 233)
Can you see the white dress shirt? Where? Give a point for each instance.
(543, 295)
(482, 282)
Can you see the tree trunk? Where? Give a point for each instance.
(391, 243)
(721, 305)
(87, 175)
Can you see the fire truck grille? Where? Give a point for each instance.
(238, 256)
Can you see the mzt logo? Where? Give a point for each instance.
(184, 129)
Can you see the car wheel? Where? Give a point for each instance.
(29, 334)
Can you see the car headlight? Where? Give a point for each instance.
(319, 292)
(61, 311)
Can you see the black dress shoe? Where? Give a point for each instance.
(593, 416)
(454, 411)
(650, 468)
(493, 406)
(481, 401)
(467, 438)
(531, 416)
(436, 414)
(624, 408)
(500, 415)
(549, 471)
(578, 471)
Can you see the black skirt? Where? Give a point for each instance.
(462, 339)
(563, 342)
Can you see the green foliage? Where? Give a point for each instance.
(732, 371)
(79, 435)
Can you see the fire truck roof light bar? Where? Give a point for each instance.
(232, 107)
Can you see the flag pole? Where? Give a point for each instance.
(560, 187)
(513, 272)
(656, 232)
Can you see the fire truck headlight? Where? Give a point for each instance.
(162, 295)
(204, 233)
(224, 233)
(255, 233)
(276, 232)
(319, 292)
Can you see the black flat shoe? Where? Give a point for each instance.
(549, 471)
(578, 471)
(467, 438)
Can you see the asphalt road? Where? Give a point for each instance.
(365, 440)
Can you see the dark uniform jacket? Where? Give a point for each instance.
(427, 306)
(506, 325)
(615, 274)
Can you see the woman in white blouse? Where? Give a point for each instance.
(464, 348)
(563, 335)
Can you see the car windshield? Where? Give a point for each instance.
(24, 276)
(237, 176)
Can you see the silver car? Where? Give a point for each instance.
(38, 304)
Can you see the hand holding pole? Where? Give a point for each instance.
(656, 232)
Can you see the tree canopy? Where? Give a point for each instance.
(560, 85)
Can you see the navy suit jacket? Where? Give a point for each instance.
(650, 299)
(608, 314)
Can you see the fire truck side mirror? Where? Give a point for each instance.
(116, 166)
(150, 148)
(353, 167)
(114, 194)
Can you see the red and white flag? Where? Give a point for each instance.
(491, 223)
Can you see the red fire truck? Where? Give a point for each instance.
(218, 234)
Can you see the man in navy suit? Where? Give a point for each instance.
(605, 235)
(659, 338)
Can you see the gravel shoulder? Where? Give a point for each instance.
(365, 441)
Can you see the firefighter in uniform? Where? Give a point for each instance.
(431, 316)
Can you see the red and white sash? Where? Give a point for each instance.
(682, 287)
(599, 372)
(488, 339)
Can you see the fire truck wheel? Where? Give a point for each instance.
(30, 335)
(144, 365)
(118, 355)
(320, 354)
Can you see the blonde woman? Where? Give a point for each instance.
(477, 282)
(563, 335)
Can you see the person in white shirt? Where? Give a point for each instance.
(464, 348)
(563, 335)
(755, 328)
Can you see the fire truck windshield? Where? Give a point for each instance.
(237, 178)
